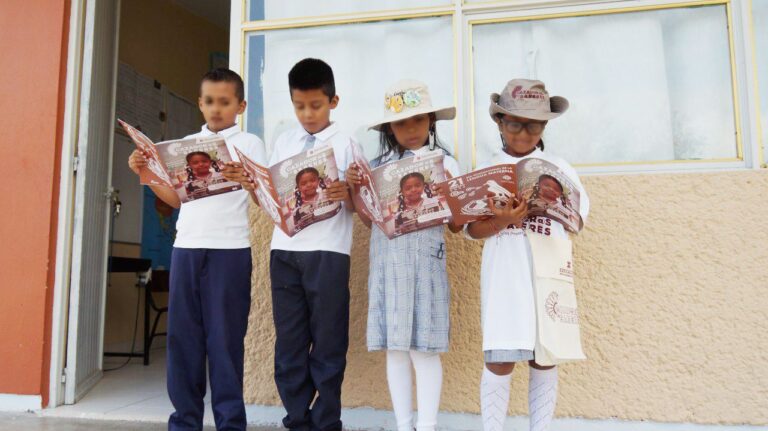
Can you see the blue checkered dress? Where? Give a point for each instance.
(408, 291)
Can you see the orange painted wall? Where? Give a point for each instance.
(33, 48)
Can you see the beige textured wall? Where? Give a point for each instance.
(672, 277)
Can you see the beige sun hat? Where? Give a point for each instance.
(527, 98)
(408, 98)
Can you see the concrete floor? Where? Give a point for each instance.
(33, 422)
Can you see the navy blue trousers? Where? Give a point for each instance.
(210, 296)
(310, 307)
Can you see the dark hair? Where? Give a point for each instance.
(499, 116)
(198, 153)
(222, 74)
(312, 74)
(547, 176)
(405, 178)
(537, 190)
(387, 141)
(190, 173)
(297, 192)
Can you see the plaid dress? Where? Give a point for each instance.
(408, 291)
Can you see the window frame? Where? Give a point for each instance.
(754, 85)
(465, 15)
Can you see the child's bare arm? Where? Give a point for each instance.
(453, 227)
(167, 195)
(440, 189)
(136, 162)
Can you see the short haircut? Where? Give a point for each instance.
(312, 74)
(225, 75)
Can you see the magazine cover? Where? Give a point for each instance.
(468, 194)
(398, 196)
(292, 192)
(548, 190)
(192, 167)
(550, 193)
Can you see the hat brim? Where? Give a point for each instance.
(444, 113)
(557, 106)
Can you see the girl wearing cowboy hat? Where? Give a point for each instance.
(408, 314)
(521, 113)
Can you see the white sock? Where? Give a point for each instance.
(542, 398)
(429, 383)
(399, 379)
(494, 400)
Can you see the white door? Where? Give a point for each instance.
(92, 199)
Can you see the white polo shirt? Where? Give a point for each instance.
(220, 221)
(335, 233)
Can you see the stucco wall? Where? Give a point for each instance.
(672, 277)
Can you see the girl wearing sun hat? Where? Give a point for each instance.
(408, 314)
(521, 112)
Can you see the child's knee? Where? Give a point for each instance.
(533, 364)
(500, 368)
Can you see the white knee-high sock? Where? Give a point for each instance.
(494, 400)
(542, 398)
(399, 380)
(429, 383)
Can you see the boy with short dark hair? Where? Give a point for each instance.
(310, 271)
(210, 281)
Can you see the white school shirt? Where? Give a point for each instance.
(335, 233)
(220, 221)
(508, 311)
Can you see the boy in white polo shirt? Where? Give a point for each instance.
(210, 281)
(310, 271)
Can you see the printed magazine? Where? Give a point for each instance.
(191, 167)
(398, 195)
(292, 192)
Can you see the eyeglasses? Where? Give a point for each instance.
(515, 127)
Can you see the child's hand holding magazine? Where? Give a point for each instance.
(233, 171)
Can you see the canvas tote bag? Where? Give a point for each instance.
(558, 339)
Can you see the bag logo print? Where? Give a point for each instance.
(559, 312)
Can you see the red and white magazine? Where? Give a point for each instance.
(293, 192)
(547, 189)
(550, 193)
(468, 194)
(191, 167)
(398, 196)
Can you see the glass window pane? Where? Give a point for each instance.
(760, 26)
(366, 59)
(643, 86)
(279, 9)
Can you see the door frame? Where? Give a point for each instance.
(77, 45)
